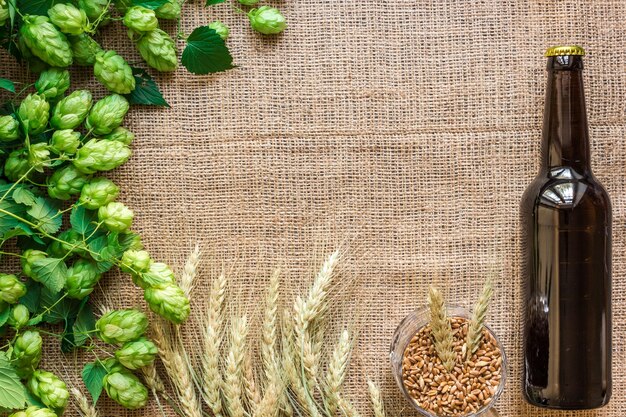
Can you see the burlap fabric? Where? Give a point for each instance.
(403, 130)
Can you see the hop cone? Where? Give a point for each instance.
(140, 19)
(136, 261)
(122, 5)
(35, 64)
(65, 141)
(19, 316)
(26, 353)
(168, 301)
(49, 389)
(107, 114)
(4, 12)
(46, 42)
(66, 182)
(11, 288)
(70, 112)
(34, 112)
(73, 243)
(68, 18)
(121, 326)
(158, 49)
(101, 155)
(126, 389)
(9, 128)
(53, 82)
(267, 20)
(84, 49)
(137, 354)
(220, 28)
(95, 9)
(116, 216)
(39, 156)
(120, 134)
(156, 275)
(114, 72)
(170, 10)
(98, 192)
(82, 278)
(35, 411)
(16, 166)
(29, 256)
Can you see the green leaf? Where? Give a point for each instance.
(4, 315)
(12, 395)
(150, 4)
(51, 272)
(55, 310)
(82, 220)
(32, 297)
(67, 339)
(213, 2)
(21, 229)
(32, 400)
(47, 215)
(93, 373)
(39, 7)
(84, 324)
(8, 221)
(206, 52)
(7, 85)
(146, 90)
(106, 249)
(22, 195)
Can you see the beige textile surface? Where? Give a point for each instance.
(405, 130)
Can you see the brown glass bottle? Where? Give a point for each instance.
(566, 219)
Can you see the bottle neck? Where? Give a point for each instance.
(565, 131)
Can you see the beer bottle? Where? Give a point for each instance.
(566, 220)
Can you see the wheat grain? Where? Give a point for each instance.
(269, 406)
(233, 374)
(269, 337)
(253, 395)
(212, 340)
(477, 323)
(441, 330)
(347, 408)
(376, 399)
(152, 379)
(86, 409)
(190, 271)
(336, 373)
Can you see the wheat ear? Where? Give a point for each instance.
(377, 399)
(336, 374)
(347, 408)
(269, 337)
(233, 373)
(190, 271)
(479, 315)
(269, 406)
(441, 329)
(86, 409)
(249, 381)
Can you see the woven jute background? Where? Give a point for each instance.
(404, 131)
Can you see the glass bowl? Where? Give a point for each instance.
(403, 335)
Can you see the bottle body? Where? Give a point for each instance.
(566, 221)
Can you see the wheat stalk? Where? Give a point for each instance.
(441, 329)
(336, 373)
(212, 340)
(86, 409)
(479, 315)
(233, 374)
(190, 271)
(376, 399)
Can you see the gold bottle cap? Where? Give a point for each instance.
(565, 50)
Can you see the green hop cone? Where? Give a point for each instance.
(35, 64)
(132, 241)
(125, 389)
(39, 156)
(170, 10)
(84, 49)
(65, 141)
(114, 72)
(137, 354)
(4, 12)
(9, 128)
(53, 82)
(19, 316)
(29, 256)
(120, 134)
(66, 182)
(68, 18)
(11, 288)
(220, 28)
(34, 112)
(140, 19)
(116, 216)
(35, 411)
(51, 390)
(70, 112)
(158, 49)
(135, 261)
(101, 155)
(98, 192)
(16, 166)
(157, 274)
(95, 10)
(267, 20)
(73, 243)
(46, 42)
(122, 5)
(121, 326)
(26, 353)
(248, 2)
(107, 114)
(82, 278)
(168, 301)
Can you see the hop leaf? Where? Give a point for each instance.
(46, 42)
(206, 52)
